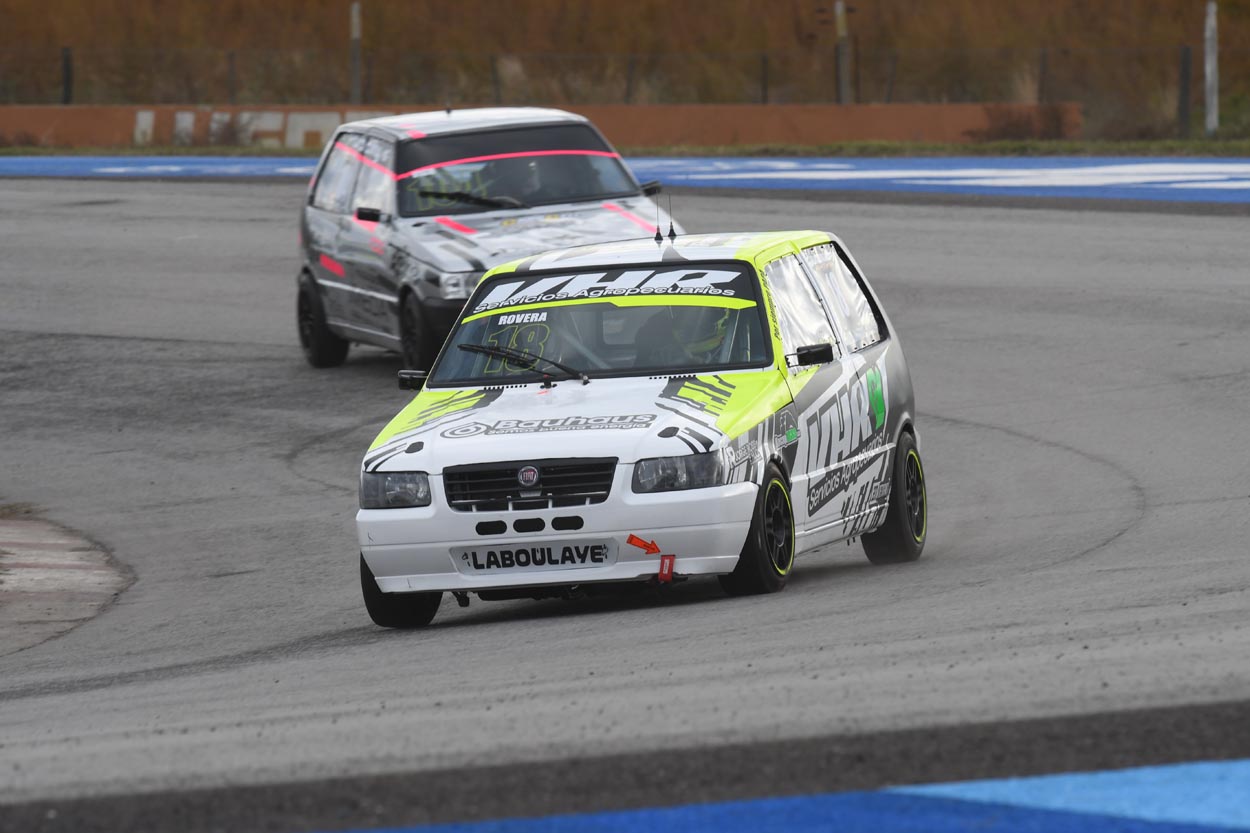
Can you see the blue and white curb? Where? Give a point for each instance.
(1215, 794)
(1182, 798)
(1169, 180)
(1173, 180)
(148, 167)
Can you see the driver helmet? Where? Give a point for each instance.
(700, 330)
(518, 178)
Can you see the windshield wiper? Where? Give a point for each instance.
(465, 196)
(525, 359)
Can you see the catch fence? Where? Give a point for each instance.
(1124, 92)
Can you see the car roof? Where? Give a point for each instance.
(644, 250)
(438, 122)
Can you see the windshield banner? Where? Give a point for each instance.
(619, 283)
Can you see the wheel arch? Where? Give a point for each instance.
(307, 278)
(906, 425)
(775, 457)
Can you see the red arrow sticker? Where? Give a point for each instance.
(649, 547)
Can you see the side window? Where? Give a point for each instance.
(375, 186)
(334, 186)
(845, 297)
(799, 312)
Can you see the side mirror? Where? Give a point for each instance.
(810, 354)
(369, 215)
(411, 379)
(651, 188)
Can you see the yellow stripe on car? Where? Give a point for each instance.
(649, 301)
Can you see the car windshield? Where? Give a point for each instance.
(625, 321)
(467, 172)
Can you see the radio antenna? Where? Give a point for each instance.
(672, 233)
(659, 238)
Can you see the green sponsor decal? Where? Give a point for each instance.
(876, 398)
(738, 401)
(792, 434)
(429, 405)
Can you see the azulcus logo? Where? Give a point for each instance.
(538, 426)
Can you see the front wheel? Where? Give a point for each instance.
(396, 610)
(768, 555)
(901, 538)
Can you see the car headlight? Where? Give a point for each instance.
(457, 284)
(394, 489)
(670, 474)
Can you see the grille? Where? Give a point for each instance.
(493, 487)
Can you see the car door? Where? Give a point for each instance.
(803, 321)
(859, 450)
(327, 206)
(364, 245)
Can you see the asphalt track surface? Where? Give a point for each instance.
(1081, 380)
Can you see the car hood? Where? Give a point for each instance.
(476, 242)
(629, 419)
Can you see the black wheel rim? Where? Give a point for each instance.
(778, 528)
(306, 321)
(913, 485)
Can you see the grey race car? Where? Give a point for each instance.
(407, 212)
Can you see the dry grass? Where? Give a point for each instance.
(1118, 57)
(594, 26)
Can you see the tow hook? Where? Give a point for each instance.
(462, 598)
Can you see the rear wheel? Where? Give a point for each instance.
(396, 610)
(768, 555)
(417, 345)
(321, 346)
(901, 538)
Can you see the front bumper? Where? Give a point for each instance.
(411, 550)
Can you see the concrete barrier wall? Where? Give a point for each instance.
(625, 125)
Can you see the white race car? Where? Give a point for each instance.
(647, 410)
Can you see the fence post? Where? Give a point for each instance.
(1043, 69)
(1182, 98)
(630, 67)
(763, 78)
(859, 95)
(67, 75)
(843, 52)
(1211, 68)
(355, 52)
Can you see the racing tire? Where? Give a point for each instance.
(416, 345)
(768, 554)
(396, 610)
(321, 346)
(901, 537)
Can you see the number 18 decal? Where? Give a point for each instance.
(530, 338)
